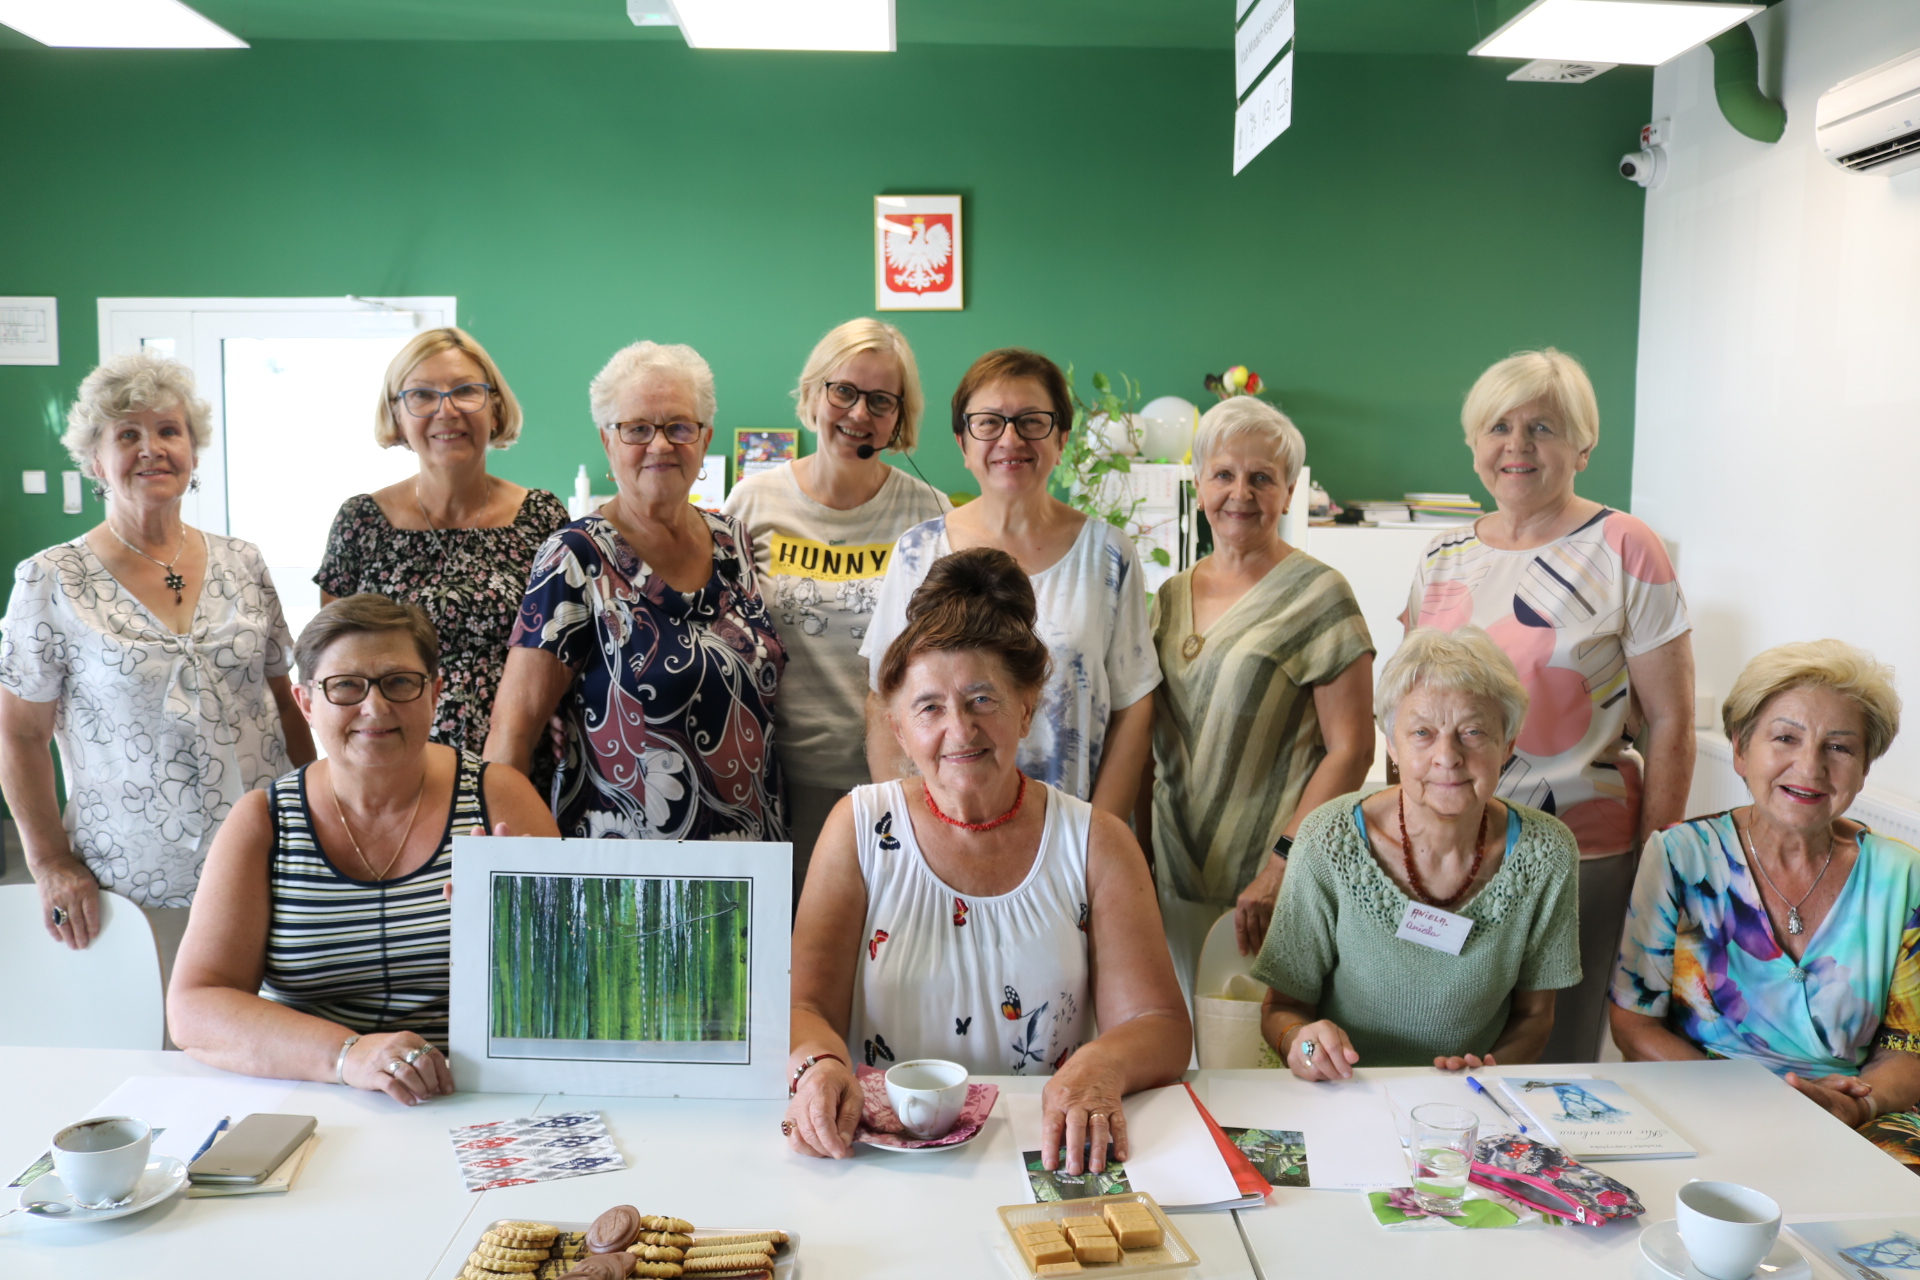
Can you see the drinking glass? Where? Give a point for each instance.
(1442, 1145)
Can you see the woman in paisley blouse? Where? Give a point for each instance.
(644, 628)
(1782, 931)
(452, 539)
(154, 654)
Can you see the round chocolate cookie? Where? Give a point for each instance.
(614, 1230)
(602, 1266)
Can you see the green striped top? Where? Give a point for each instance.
(1235, 733)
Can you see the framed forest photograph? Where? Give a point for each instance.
(638, 967)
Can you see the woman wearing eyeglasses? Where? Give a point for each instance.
(452, 539)
(1093, 726)
(643, 627)
(823, 531)
(320, 941)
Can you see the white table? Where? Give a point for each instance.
(1747, 1125)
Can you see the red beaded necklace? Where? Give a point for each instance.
(1000, 821)
(1413, 877)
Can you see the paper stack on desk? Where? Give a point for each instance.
(1171, 1156)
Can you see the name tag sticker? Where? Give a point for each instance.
(1432, 927)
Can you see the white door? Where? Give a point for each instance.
(293, 383)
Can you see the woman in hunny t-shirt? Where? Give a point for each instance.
(823, 529)
(1585, 601)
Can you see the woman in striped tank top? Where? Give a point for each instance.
(318, 946)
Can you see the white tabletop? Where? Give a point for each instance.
(381, 1192)
(1747, 1125)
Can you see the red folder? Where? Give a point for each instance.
(1245, 1176)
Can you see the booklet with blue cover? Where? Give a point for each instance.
(1592, 1119)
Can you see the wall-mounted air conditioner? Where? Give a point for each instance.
(1871, 123)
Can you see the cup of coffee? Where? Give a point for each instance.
(1726, 1227)
(100, 1160)
(927, 1095)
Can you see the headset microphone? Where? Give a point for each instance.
(866, 451)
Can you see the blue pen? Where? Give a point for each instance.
(215, 1137)
(1494, 1098)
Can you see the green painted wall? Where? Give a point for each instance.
(1423, 218)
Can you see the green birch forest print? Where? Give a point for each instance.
(613, 967)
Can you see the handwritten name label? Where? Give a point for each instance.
(1432, 927)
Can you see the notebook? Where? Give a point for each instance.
(1592, 1119)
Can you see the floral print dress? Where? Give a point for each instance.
(669, 721)
(468, 580)
(159, 733)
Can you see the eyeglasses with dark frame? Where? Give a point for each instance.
(425, 402)
(1037, 425)
(644, 432)
(395, 686)
(844, 395)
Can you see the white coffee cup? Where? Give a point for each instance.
(1726, 1227)
(100, 1160)
(927, 1095)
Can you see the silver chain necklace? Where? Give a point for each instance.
(1795, 925)
(175, 583)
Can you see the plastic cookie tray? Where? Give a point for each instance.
(786, 1263)
(1173, 1254)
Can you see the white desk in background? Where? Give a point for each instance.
(1747, 1125)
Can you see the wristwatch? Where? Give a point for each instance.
(1283, 847)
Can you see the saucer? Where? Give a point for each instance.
(1662, 1246)
(920, 1151)
(163, 1177)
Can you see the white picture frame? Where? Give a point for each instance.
(29, 330)
(926, 268)
(532, 960)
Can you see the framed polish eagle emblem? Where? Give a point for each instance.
(916, 254)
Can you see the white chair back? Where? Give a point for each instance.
(1226, 1002)
(105, 997)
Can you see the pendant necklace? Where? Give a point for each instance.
(421, 503)
(1795, 926)
(351, 839)
(1413, 876)
(1001, 821)
(175, 583)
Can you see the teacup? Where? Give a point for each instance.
(927, 1095)
(100, 1160)
(1726, 1227)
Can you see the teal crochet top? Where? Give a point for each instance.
(1332, 943)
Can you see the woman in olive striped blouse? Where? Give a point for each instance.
(318, 946)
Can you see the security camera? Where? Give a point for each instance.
(1646, 166)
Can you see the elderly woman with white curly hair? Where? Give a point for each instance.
(1429, 921)
(154, 654)
(643, 627)
(1263, 713)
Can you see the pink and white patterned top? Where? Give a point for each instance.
(1569, 614)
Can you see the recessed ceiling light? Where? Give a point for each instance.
(858, 25)
(116, 24)
(1639, 32)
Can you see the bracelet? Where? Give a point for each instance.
(1283, 849)
(1281, 1039)
(806, 1065)
(340, 1063)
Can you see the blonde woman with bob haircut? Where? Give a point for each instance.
(153, 654)
(1264, 710)
(823, 530)
(1437, 853)
(1781, 931)
(452, 539)
(1585, 601)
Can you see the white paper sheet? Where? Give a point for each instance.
(1412, 1091)
(1171, 1153)
(1348, 1128)
(190, 1107)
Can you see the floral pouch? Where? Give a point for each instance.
(1549, 1181)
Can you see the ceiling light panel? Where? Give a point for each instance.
(1637, 32)
(858, 25)
(116, 24)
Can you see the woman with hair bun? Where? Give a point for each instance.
(972, 913)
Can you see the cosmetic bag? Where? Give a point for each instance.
(1548, 1180)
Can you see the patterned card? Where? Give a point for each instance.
(507, 1153)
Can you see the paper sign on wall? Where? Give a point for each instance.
(29, 331)
(1265, 114)
(1259, 41)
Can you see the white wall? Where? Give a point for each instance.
(1777, 429)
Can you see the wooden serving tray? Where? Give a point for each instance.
(1173, 1254)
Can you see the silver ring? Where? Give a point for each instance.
(1307, 1050)
(393, 1068)
(59, 917)
(414, 1055)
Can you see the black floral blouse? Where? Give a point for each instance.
(470, 582)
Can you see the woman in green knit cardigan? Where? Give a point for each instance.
(1429, 922)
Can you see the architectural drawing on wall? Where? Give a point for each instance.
(29, 331)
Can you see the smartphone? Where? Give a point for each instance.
(251, 1150)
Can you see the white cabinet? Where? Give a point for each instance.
(1378, 564)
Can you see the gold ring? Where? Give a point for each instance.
(786, 1128)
